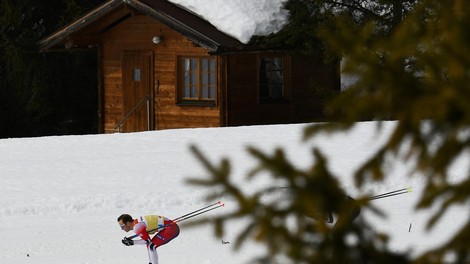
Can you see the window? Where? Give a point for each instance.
(136, 75)
(271, 79)
(197, 80)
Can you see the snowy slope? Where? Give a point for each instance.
(61, 195)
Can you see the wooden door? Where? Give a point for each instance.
(137, 101)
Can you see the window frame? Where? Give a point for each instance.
(286, 78)
(182, 85)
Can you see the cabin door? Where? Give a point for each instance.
(137, 95)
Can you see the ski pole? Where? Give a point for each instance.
(387, 193)
(186, 216)
(193, 212)
(201, 212)
(392, 193)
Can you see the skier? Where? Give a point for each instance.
(352, 211)
(144, 226)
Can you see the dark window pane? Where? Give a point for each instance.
(205, 92)
(204, 65)
(194, 91)
(205, 79)
(186, 91)
(194, 64)
(212, 92)
(193, 78)
(212, 65)
(271, 78)
(136, 75)
(212, 78)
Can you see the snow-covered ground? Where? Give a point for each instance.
(61, 195)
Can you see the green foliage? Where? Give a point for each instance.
(38, 96)
(412, 62)
(283, 218)
(299, 35)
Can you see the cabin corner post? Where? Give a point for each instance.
(100, 86)
(223, 90)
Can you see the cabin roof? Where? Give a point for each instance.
(85, 30)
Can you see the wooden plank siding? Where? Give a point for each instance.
(302, 103)
(135, 34)
(312, 80)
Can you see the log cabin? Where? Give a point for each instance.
(162, 66)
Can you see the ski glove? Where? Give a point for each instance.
(127, 241)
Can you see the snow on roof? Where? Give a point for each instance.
(240, 19)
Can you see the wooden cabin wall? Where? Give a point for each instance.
(312, 82)
(308, 80)
(135, 34)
